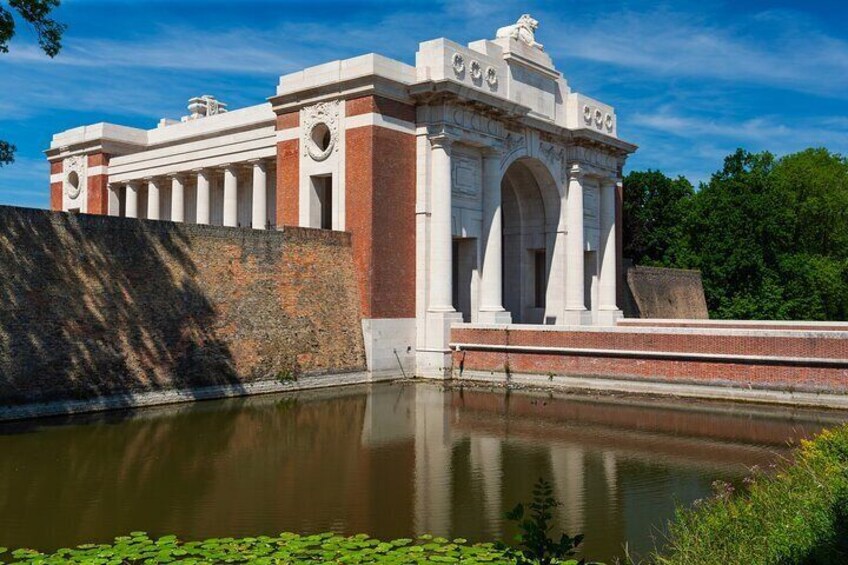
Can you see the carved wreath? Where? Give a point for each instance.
(458, 64)
(323, 115)
(476, 71)
(492, 76)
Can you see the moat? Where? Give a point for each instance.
(391, 460)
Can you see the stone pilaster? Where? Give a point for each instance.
(574, 246)
(491, 282)
(259, 210)
(608, 311)
(230, 196)
(177, 198)
(204, 211)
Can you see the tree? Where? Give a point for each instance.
(654, 212)
(770, 236)
(737, 228)
(36, 13)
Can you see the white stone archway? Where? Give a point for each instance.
(531, 205)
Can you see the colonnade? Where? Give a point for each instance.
(203, 199)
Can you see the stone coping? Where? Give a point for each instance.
(718, 323)
(163, 397)
(652, 354)
(659, 388)
(718, 331)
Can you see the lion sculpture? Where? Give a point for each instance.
(523, 30)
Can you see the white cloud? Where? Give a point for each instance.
(767, 130)
(777, 49)
(25, 183)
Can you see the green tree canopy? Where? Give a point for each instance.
(770, 236)
(653, 215)
(37, 13)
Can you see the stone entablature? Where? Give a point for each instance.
(476, 184)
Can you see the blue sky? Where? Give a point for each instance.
(691, 81)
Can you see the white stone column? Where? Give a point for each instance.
(131, 204)
(434, 357)
(230, 196)
(152, 199)
(491, 281)
(575, 304)
(177, 198)
(114, 204)
(608, 311)
(441, 251)
(203, 197)
(260, 194)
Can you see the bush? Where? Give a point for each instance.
(797, 516)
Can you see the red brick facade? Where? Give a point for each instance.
(56, 187)
(98, 186)
(288, 121)
(639, 355)
(379, 105)
(56, 196)
(380, 211)
(288, 183)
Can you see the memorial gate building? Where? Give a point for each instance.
(476, 185)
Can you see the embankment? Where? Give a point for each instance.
(97, 307)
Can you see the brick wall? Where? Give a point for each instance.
(56, 187)
(98, 185)
(779, 360)
(380, 194)
(667, 293)
(96, 305)
(288, 173)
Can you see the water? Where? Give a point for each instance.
(389, 460)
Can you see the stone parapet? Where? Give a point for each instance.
(732, 358)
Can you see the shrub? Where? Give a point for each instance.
(537, 546)
(797, 516)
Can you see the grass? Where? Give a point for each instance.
(798, 516)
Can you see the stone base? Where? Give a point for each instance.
(434, 359)
(577, 318)
(501, 317)
(389, 345)
(608, 317)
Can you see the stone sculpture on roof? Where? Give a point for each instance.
(523, 30)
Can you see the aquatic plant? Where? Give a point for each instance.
(286, 548)
(537, 546)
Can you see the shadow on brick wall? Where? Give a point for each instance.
(95, 307)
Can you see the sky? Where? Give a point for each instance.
(690, 81)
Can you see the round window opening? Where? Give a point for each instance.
(73, 184)
(321, 136)
(322, 141)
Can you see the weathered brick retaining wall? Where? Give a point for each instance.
(767, 359)
(95, 306)
(666, 293)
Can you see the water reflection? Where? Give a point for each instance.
(390, 460)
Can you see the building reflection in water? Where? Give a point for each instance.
(389, 460)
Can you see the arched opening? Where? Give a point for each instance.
(321, 136)
(73, 180)
(530, 209)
